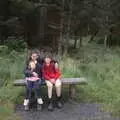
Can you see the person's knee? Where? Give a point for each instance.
(49, 85)
(37, 87)
(58, 84)
(28, 88)
(37, 84)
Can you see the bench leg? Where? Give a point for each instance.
(72, 91)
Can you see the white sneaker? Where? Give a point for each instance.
(26, 101)
(40, 101)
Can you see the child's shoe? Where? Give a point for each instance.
(40, 103)
(26, 104)
(50, 106)
(59, 103)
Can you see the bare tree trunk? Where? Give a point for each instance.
(92, 37)
(75, 43)
(67, 38)
(105, 41)
(41, 30)
(109, 40)
(61, 37)
(68, 28)
(80, 42)
(106, 27)
(61, 31)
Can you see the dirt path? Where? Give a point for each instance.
(82, 111)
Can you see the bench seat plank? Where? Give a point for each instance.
(72, 82)
(82, 80)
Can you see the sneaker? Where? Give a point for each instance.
(39, 107)
(40, 101)
(26, 107)
(26, 102)
(50, 106)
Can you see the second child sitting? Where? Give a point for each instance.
(33, 80)
(51, 75)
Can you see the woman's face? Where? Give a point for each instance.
(32, 65)
(34, 56)
(47, 60)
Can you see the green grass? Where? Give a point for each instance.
(102, 69)
(99, 65)
(11, 68)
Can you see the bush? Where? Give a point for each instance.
(11, 68)
(15, 44)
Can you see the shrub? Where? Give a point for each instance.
(16, 44)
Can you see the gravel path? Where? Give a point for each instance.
(70, 111)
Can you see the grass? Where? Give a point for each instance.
(11, 68)
(99, 65)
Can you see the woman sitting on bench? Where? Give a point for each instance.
(33, 80)
(51, 74)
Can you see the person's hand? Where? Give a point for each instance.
(52, 80)
(56, 66)
(35, 74)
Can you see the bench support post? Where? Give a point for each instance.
(72, 91)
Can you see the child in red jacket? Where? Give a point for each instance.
(51, 74)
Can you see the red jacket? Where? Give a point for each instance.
(50, 72)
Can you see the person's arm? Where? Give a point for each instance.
(57, 75)
(56, 66)
(39, 70)
(27, 72)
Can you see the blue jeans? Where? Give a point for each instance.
(30, 85)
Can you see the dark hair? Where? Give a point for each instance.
(29, 56)
(48, 55)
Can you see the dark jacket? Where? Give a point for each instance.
(28, 72)
(40, 60)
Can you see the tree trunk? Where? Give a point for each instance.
(109, 39)
(105, 41)
(61, 37)
(60, 41)
(68, 28)
(92, 37)
(41, 29)
(75, 43)
(67, 36)
(80, 42)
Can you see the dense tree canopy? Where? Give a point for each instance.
(40, 20)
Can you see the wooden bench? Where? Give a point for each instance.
(72, 82)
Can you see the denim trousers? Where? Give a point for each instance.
(30, 85)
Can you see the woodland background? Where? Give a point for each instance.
(84, 34)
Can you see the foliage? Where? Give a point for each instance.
(15, 44)
(11, 69)
(81, 17)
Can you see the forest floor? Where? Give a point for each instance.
(70, 111)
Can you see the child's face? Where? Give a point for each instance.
(47, 60)
(34, 56)
(32, 65)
